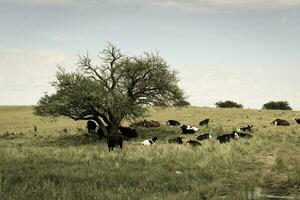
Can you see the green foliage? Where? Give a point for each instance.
(277, 105)
(228, 104)
(121, 87)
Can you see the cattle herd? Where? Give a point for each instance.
(129, 132)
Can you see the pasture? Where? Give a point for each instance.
(59, 161)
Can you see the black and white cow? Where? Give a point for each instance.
(91, 126)
(149, 141)
(204, 122)
(128, 132)
(188, 129)
(177, 140)
(205, 136)
(280, 122)
(227, 137)
(297, 121)
(172, 122)
(114, 141)
(244, 135)
(246, 128)
(193, 143)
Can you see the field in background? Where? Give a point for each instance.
(59, 162)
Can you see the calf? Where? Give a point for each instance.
(113, 141)
(204, 137)
(204, 122)
(173, 122)
(177, 140)
(91, 126)
(150, 141)
(227, 137)
(297, 121)
(128, 132)
(280, 122)
(246, 128)
(188, 129)
(193, 143)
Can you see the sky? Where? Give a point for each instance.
(247, 51)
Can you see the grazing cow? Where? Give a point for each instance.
(128, 132)
(173, 122)
(194, 143)
(91, 126)
(146, 123)
(204, 137)
(177, 140)
(150, 141)
(227, 137)
(280, 122)
(204, 122)
(188, 129)
(246, 128)
(298, 121)
(113, 141)
(244, 135)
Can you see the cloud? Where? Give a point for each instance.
(26, 75)
(208, 5)
(56, 36)
(50, 2)
(181, 5)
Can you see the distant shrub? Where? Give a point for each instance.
(277, 105)
(228, 104)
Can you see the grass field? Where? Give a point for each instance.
(59, 162)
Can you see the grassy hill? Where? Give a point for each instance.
(58, 162)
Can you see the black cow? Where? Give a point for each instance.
(188, 129)
(177, 140)
(204, 122)
(91, 126)
(298, 121)
(114, 141)
(204, 137)
(280, 122)
(194, 143)
(173, 122)
(227, 137)
(246, 128)
(244, 135)
(128, 132)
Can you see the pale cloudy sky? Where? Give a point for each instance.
(243, 50)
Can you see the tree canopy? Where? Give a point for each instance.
(277, 105)
(120, 87)
(228, 104)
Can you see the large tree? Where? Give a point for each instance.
(120, 87)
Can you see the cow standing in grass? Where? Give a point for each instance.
(114, 141)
